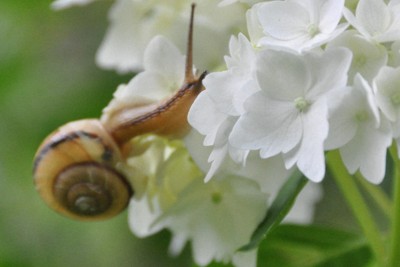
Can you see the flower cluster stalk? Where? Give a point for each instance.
(357, 204)
(394, 256)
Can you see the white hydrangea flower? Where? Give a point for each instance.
(368, 57)
(208, 214)
(224, 97)
(300, 24)
(289, 114)
(358, 130)
(376, 20)
(163, 75)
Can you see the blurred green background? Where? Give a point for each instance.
(47, 78)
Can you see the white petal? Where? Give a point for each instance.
(354, 22)
(177, 244)
(245, 259)
(282, 76)
(329, 70)
(202, 220)
(272, 126)
(217, 157)
(205, 117)
(283, 20)
(330, 14)
(121, 49)
(254, 27)
(373, 15)
(310, 155)
(221, 88)
(146, 85)
(368, 57)
(303, 209)
(141, 217)
(198, 152)
(367, 152)
(387, 89)
(242, 55)
(342, 126)
(164, 57)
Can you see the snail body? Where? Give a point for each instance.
(167, 118)
(75, 168)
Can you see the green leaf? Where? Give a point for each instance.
(278, 210)
(306, 246)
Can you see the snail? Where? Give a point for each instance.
(75, 167)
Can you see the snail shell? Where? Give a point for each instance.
(74, 172)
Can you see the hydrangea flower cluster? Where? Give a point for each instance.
(312, 76)
(170, 192)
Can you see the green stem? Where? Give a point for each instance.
(377, 194)
(357, 204)
(394, 256)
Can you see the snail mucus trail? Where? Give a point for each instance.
(74, 168)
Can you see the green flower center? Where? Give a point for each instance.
(395, 98)
(216, 198)
(301, 104)
(360, 60)
(362, 116)
(313, 30)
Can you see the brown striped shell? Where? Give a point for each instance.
(74, 172)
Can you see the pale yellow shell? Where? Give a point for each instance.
(74, 172)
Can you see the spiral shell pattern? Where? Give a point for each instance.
(74, 172)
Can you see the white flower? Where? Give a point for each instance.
(289, 114)
(387, 89)
(163, 75)
(224, 96)
(376, 20)
(361, 134)
(209, 214)
(368, 57)
(300, 24)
